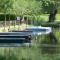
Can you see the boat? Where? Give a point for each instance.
(39, 30)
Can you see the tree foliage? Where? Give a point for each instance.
(49, 5)
(6, 6)
(27, 7)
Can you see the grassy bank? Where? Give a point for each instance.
(45, 17)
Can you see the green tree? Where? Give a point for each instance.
(6, 6)
(51, 7)
(27, 7)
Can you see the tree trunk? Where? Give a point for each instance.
(5, 23)
(9, 23)
(52, 37)
(52, 15)
(14, 24)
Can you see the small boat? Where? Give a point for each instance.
(39, 30)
